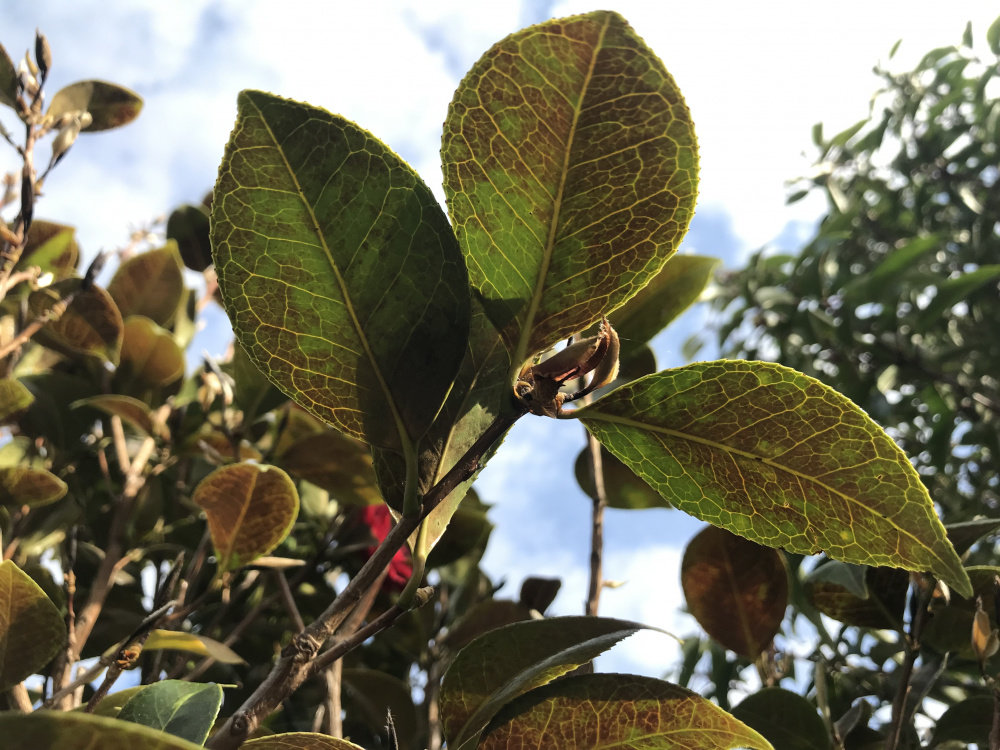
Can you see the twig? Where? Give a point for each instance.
(924, 590)
(289, 601)
(597, 525)
(995, 728)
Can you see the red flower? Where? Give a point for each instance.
(379, 521)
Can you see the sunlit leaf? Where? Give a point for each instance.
(666, 296)
(952, 291)
(31, 629)
(91, 324)
(149, 284)
(779, 458)
(254, 393)
(8, 80)
(339, 270)
(14, 397)
(785, 718)
(130, 410)
(70, 730)
(52, 247)
(736, 589)
(582, 712)
(570, 167)
(621, 486)
(250, 510)
(898, 260)
(22, 485)
(183, 709)
(109, 104)
(150, 352)
(188, 227)
(300, 741)
(200, 645)
(509, 661)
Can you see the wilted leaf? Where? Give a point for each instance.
(250, 510)
(666, 296)
(14, 397)
(880, 605)
(52, 247)
(340, 272)
(200, 645)
(785, 718)
(109, 105)
(149, 284)
(188, 227)
(736, 589)
(91, 324)
(779, 458)
(31, 629)
(150, 352)
(570, 167)
(70, 730)
(582, 712)
(8, 80)
(300, 741)
(22, 485)
(130, 410)
(509, 661)
(623, 488)
(183, 709)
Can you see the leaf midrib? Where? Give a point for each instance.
(404, 438)
(521, 353)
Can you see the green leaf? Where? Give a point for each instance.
(91, 324)
(952, 291)
(299, 741)
(879, 606)
(339, 270)
(52, 247)
(993, 36)
(250, 509)
(188, 226)
(132, 411)
(31, 629)
(183, 709)
(109, 104)
(671, 292)
(736, 589)
(867, 286)
(969, 721)
(200, 645)
(779, 458)
(621, 486)
(570, 168)
(14, 398)
(70, 730)
(582, 712)
(337, 463)
(8, 80)
(509, 661)
(150, 284)
(787, 719)
(22, 485)
(150, 352)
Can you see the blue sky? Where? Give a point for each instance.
(756, 77)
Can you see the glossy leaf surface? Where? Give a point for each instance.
(736, 589)
(70, 730)
(183, 709)
(109, 104)
(339, 270)
(149, 284)
(91, 324)
(31, 628)
(779, 458)
(250, 510)
(582, 712)
(23, 485)
(570, 167)
(509, 661)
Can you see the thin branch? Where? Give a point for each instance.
(923, 590)
(289, 601)
(596, 466)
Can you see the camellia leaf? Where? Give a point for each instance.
(109, 104)
(188, 226)
(341, 275)
(787, 719)
(22, 485)
(71, 730)
(337, 463)
(200, 645)
(736, 589)
(250, 510)
(509, 661)
(621, 486)
(14, 397)
(582, 712)
(779, 458)
(672, 291)
(880, 606)
(149, 284)
(300, 741)
(130, 410)
(8, 80)
(31, 628)
(150, 352)
(370, 695)
(52, 247)
(570, 168)
(183, 709)
(91, 324)
(968, 721)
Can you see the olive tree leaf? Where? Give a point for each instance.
(779, 458)
(570, 169)
(31, 628)
(581, 712)
(342, 277)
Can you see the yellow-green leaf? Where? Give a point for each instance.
(779, 458)
(109, 104)
(337, 463)
(71, 730)
(250, 510)
(583, 712)
(52, 247)
(570, 169)
(14, 397)
(22, 485)
(200, 645)
(91, 324)
(149, 284)
(31, 629)
(130, 410)
(299, 741)
(339, 270)
(150, 352)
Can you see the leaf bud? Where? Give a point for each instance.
(985, 639)
(43, 53)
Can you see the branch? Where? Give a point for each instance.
(597, 526)
(924, 590)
